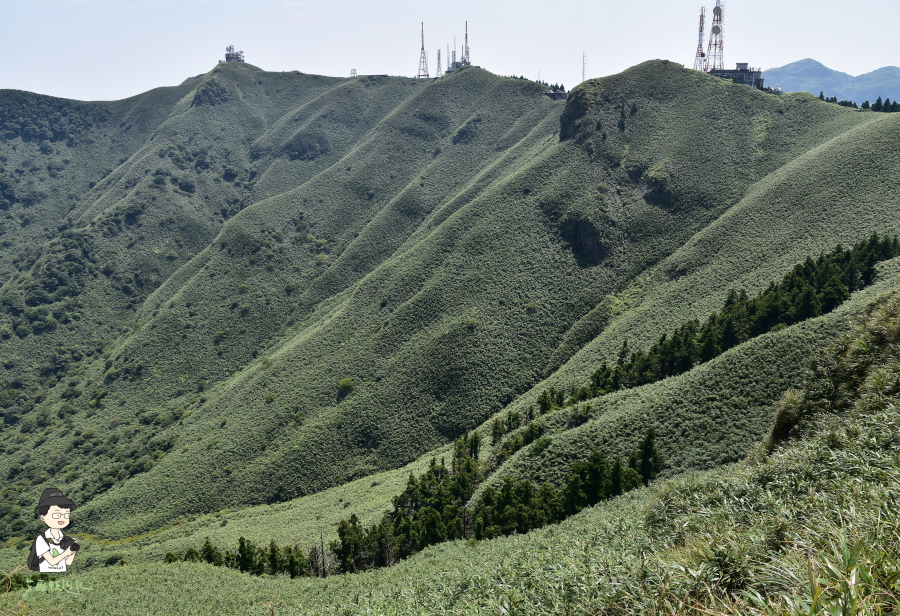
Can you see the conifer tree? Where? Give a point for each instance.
(615, 480)
(192, 556)
(274, 559)
(211, 553)
(834, 294)
(347, 549)
(650, 460)
(245, 555)
(498, 429)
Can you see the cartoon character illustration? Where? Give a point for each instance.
(53, 551)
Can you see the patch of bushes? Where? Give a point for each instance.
(811, 289)
(433, 508)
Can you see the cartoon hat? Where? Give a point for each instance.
(53, 496)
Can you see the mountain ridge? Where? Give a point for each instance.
(434, 243)
(811, 76)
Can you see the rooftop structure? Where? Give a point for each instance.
(743, 74)
(233, 56)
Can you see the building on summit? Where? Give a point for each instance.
(233, 56)
(742, 74)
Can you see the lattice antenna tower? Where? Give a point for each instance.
(465, 58)
(715, 53)
(700, 57)
(423, 58)
(437, 71)
(583, 66)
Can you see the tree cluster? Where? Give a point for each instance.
(519, 506)
(556, 87)
(885, 106)
(433, 508)
(249, 558)
(812, 288)
(532, 432)
(45, 118)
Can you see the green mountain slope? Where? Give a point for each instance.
(444, 249)
(705, 418)
(808, 527)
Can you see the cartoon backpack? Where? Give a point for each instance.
(34, 561)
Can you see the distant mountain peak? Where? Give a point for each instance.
(809, 75)
(805, 62)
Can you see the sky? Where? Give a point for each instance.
(113, 49)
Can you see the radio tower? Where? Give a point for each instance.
(700, 58)
(465, 58)
(715, 55)
(438, 69)
(423, 59)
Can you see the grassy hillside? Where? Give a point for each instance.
(807, 524)
(728, 402)
(703, 419)
(291, 282)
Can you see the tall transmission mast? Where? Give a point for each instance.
(437, 71)
(715, 55)
(700, 58)
(466, 48)
(423, 58)
(583, 66)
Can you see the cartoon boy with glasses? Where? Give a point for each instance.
(55, 550)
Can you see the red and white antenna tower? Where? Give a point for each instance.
(423, 58)
(700, 58)
(715, 55)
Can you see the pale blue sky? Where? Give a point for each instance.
(110, 49)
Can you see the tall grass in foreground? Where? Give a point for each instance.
(815, 527)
